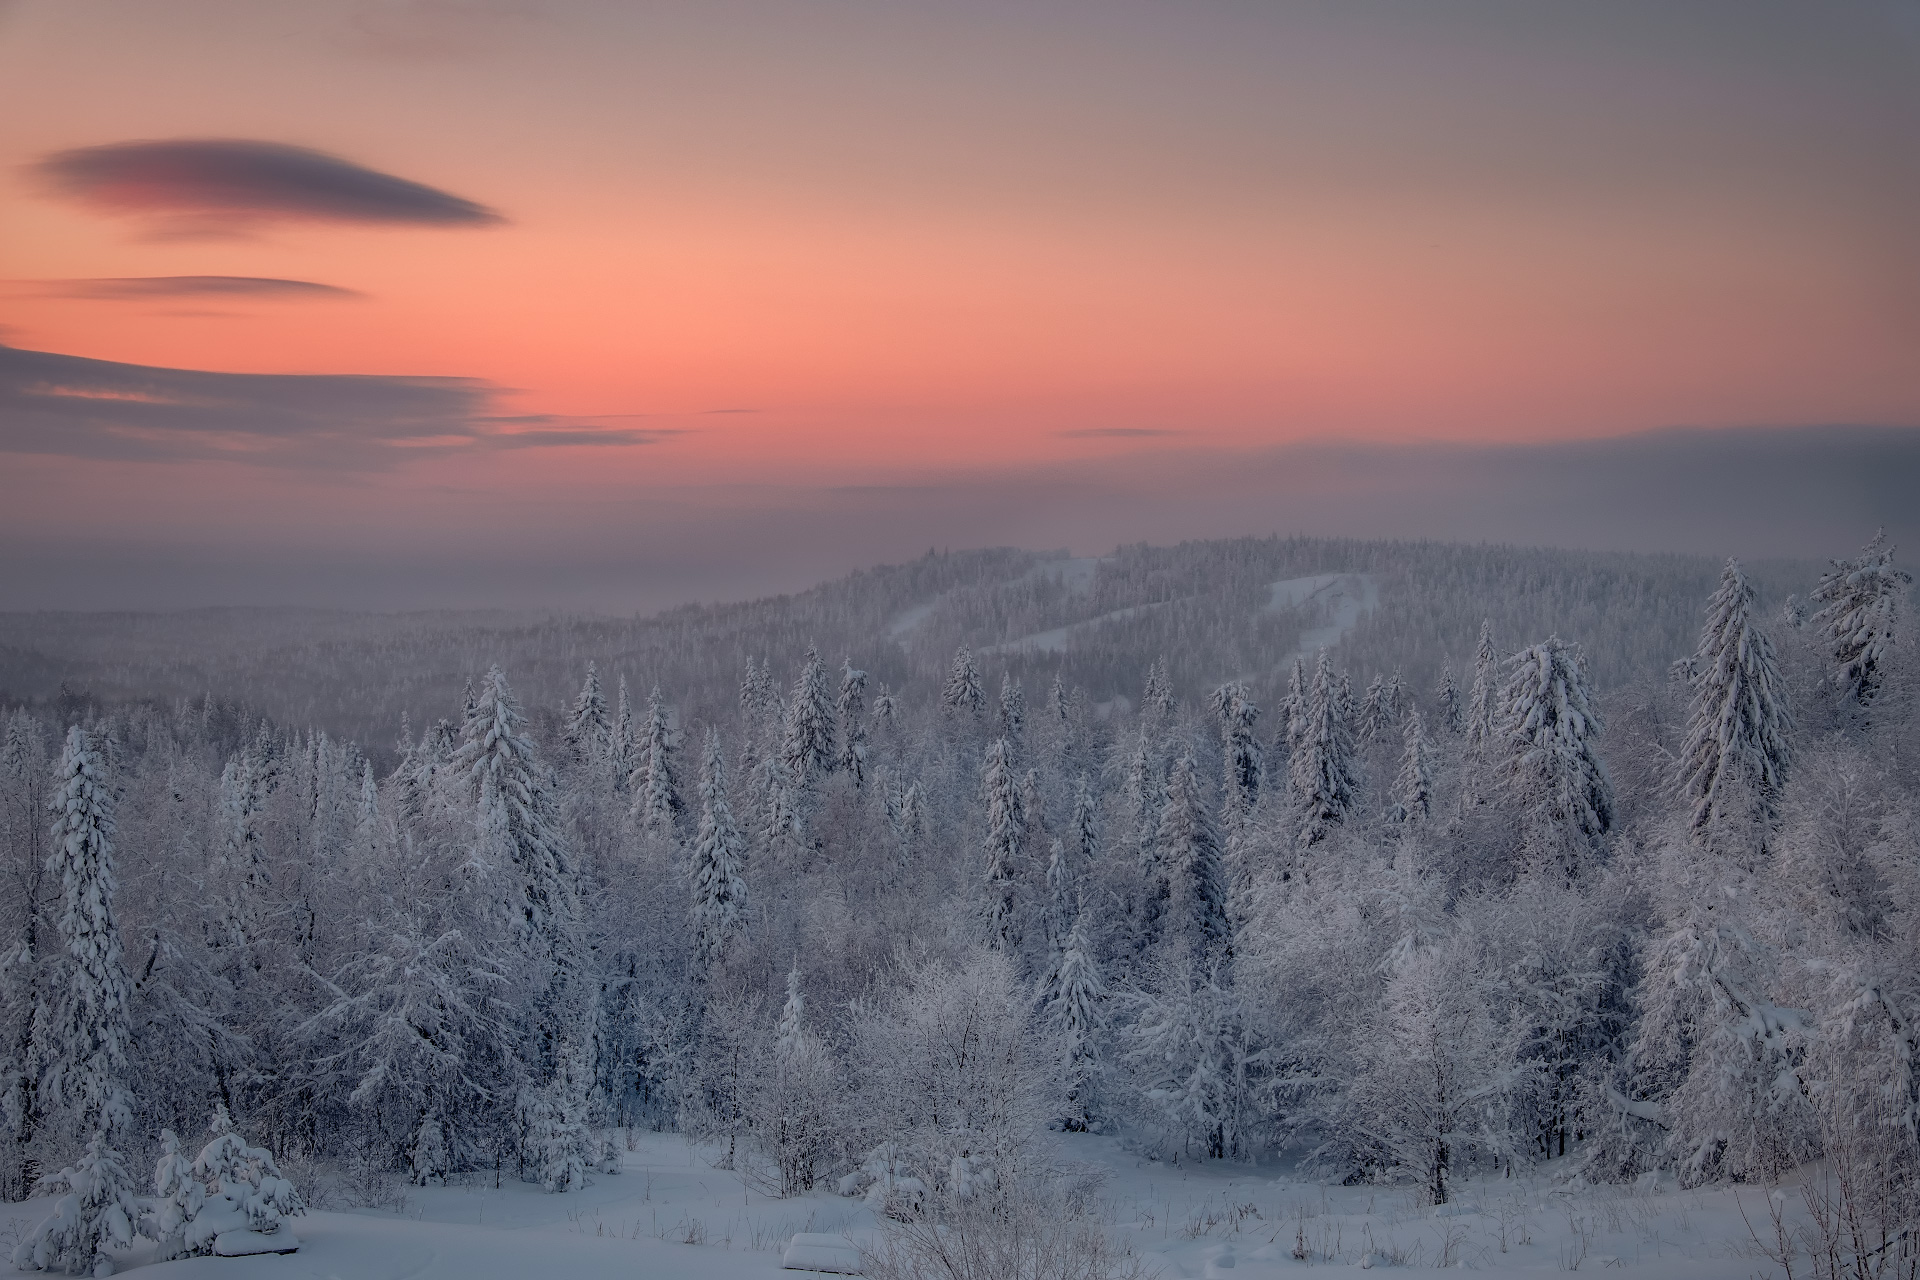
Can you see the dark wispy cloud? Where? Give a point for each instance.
(100, 409)
(229, 185)
(147, 288)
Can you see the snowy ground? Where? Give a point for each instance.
(672, 1214)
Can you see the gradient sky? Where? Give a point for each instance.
(599, 271)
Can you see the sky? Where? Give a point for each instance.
(418, 303)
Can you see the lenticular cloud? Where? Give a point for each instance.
(227, 181)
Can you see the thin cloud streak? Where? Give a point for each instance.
(71, 406)
(229, 185)
(148, 288)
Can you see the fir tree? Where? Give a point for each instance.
(1157, 699)
(1006, 832)
(1086, 815)
(1735, 758)
(88, 1067)
(1013, 713)
(587, 729)
(807, 749)
(515, 811)
(1413, 785)
(657, 803)
(1071, 999)
(851, 709)
(1861, 608)
(1241, 752)
(1483, 702)
(1189, 857)
(1321, 774)
(962, 694)
(621, 745)
(790, 1032)
(1549, 726)
(1374, 713)
(719, 883)
(1446, 699)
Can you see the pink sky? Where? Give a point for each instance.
(809, 244)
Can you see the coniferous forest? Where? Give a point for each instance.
(1407, 866)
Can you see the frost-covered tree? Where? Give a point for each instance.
(1413, 785)
(1549, 727)
(1006, 834)
(622, 747)
(1446, 700)
(87, 1067)
(1375, 714)
(1189, 858)
(24, 1009)
(1434, 1066)
(1320, 777)
(1085, 821)
(1195, 1060)
(87, 1057)
(1013, 713)
(1240, 749)
(962, 694)
(95, 1209)
(806, 750)
(587, 727)
(1859, 610)
(1156, 700)
(719, 880)
(517, 820)
(657, 802)
(1483, 700)
(851, 709)
(1735, 758)
(1072, 1000)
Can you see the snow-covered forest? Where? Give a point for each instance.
(1398, 865)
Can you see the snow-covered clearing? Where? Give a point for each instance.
(671, 1213)
(1057, 639)
(1343, 596)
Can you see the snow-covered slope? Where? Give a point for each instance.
(672, 1214)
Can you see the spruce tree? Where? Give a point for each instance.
(1006, 832)
(851, 709)
(1189, 856)
(621, 746)
(657, 803)
(1446, 698)
(806, 751)
(587, 728)
(1013, 714)
(1157, 699)
(1549, 727)
(962, 694)
(1072, 996)
(1735, 757)
(88, 1064)
(1320, 776)
(1413, 785)
(508, 785)
(1240, 750)
(1374, 713)
(719, 883)
(1483, 702)
(1860, 611)
(1086, 816)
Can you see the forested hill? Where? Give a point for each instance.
(1218, 610)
